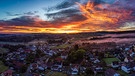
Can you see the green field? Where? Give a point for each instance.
(61, 46)
(122, 73)
(55, 74)
(110, 60)
(3, 50)
(3, 67)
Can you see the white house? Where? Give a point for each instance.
(74, 71)
(64, 55)
(115, 64)
(96, 61)
(50, 52)
(128, 59)
(134, 68)
(125, 68)
(55, 68)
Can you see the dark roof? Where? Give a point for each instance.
(49, 64)
(132, 74)
(55, 67)
(18, 64)
(110, 72)
(115, 62)
(64, 53)
(132, 64)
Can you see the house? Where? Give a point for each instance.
(128, 59)
(58, 59)
(125, 68)
(97, 69)
(64, 55)
(96, 60)
(36, 68)
(91, 56)
(7, 73)
(82, 69)
(126, 49)
(115, 64)
(65, 69)
(131, 53)
(41, 68)
(27, 51)
(74, 69)
(36, 74)
(111, 72)
(57, 66)
(121, 56)
(33, 47)
(50, 52)
(49, 65)
(132, 74)
(17, 64)
(20, 50)
(132, 65)
(33, 67)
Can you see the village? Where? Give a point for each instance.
(66, 59)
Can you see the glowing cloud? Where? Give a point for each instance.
(83, 17)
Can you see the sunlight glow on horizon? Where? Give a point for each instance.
(101, 17)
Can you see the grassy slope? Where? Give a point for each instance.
(110, 60)
(2, 67)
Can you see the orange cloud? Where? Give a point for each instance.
(101, 17)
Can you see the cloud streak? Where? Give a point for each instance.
(73, 16)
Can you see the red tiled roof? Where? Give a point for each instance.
(110, 72)
(35, 74)
(27, 50)
(9, 71)
(18, 64)
(58, 59)
(34, 65)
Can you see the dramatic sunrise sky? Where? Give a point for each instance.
(66, 16)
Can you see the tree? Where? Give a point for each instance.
(30, 58)
(23, 68)
(89, 72)
(101, 55)
(76, 47)
(38, 53)
(76, 56)
(80, 53)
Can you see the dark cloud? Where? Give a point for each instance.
(67, 7)
(21, 14)
(69, 19)
(63, 5)
(70, 3)
(77, 15)
(2, 22)
(21, 21)
(63, 13)
(11, 14)
(30, 13)
(66, 4)
(69, 10)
